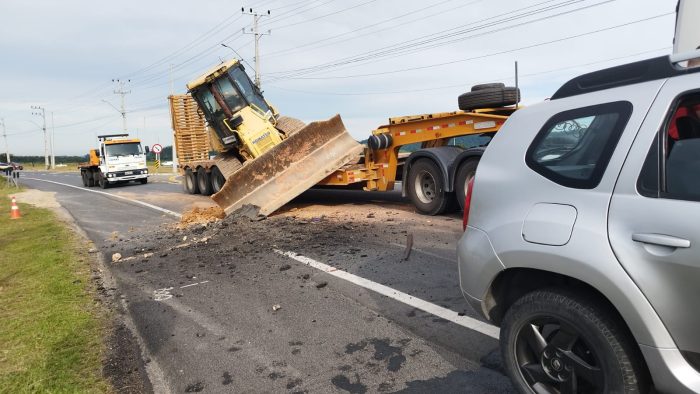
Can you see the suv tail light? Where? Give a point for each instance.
(467, 203)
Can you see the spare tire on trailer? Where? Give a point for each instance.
(496, 85)
(289, 125)
(488, 98)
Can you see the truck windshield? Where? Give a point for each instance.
(247, 89)
(127, 149)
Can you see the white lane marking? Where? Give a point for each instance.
(162, 294)
(145, 204)
(447, 314)
(194, 284)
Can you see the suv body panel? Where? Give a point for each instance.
(505, 190)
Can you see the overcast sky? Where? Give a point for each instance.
(367, 60)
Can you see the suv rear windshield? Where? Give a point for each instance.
(574, 147)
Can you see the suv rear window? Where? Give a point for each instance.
(574, 147)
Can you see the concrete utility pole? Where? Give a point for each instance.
(120, 91)
(46, 138)
(4, 134)
(254, 30)
(53, 136)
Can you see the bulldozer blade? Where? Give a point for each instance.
(290, 168)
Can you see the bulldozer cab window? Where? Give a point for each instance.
(247, 89)
(211, 107)
(233, 100)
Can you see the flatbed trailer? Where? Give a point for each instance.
(434, 175)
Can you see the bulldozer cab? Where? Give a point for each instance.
(236, 110)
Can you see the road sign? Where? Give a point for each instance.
(156, 148)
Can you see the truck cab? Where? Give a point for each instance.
(118, 159)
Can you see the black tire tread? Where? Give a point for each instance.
(598, 314)
(482, 86)
(459, 182)
(488, 98)
(444, 197)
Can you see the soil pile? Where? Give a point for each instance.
(199, 215)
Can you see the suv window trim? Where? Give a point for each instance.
(622, 108)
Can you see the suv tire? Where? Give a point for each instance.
(426, 188)
(555, 338)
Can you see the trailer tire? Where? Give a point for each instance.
(465, 173)
(203, 181)
(91, 178)
(189, 182)
(217, 179)
(488, 98)
(288, 125)
(83, 174)
(426, 188)
(482, 86)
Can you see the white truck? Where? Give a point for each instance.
(119, 159)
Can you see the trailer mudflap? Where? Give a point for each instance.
(290, 168)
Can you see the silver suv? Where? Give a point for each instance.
(582, 234)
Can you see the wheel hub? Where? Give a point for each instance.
(554, 365)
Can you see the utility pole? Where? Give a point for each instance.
(254, 30)
(53, 136)
(4, 134)
(46, 139)
(120, 91)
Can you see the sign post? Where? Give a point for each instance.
(157, 148)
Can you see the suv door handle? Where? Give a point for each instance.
(663, 240)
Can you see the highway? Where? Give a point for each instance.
(317, 298)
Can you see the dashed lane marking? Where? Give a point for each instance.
(145, 204)
(447, 314)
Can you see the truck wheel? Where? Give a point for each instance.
(217, 179)
(288, 125)
(83, 174)
(143, 181)
(488, 98)
(190, 182)
(465, 173)
(102, 180)
(203, 181)
(426, 188)
(556, 341)
(90, 178)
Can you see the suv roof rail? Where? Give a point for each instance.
(627, 74)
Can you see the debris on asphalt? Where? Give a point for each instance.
(198, 215)
(276, 307)
(116, 257)
(285, 267)
(321, 285)
(409, 247)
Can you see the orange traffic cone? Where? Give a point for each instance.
(14, 211)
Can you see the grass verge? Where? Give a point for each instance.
(51, 335)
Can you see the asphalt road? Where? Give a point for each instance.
(203, 305)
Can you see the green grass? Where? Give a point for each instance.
(51, 329)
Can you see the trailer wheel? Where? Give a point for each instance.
(488, 98)
(289, 125)
(83, 174)
(465, 173)
(203, 181)
(190, 182)
(217, 179)
(426, 188)
(102, 180)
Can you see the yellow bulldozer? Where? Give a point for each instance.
(265, 159)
